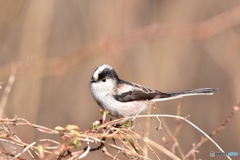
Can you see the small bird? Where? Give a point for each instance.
(125, 99)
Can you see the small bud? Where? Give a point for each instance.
(72, 127)
(58, 128)
(74, 133)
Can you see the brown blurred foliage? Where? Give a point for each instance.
(167, 45)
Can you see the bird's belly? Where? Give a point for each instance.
(126, 109)
(120, 109)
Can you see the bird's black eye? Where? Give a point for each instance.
(104, 79)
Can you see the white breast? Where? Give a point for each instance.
(116, 108)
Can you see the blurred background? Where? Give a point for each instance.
(55, 46)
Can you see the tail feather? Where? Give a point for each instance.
(192, 92)
(199, 91)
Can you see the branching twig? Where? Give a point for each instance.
(128, 140)
(222, 126)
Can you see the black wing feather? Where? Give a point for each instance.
(138, 95)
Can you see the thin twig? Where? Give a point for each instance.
(222, 126)
(25, 149)
(86, 151)
(9, 154)
(174, 139)
(182, 118)
(128, 140)
(7, 91)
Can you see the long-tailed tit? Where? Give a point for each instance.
(125, 99)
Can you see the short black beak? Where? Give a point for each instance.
(92, 80)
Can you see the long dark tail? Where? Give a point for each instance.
(192, 92)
